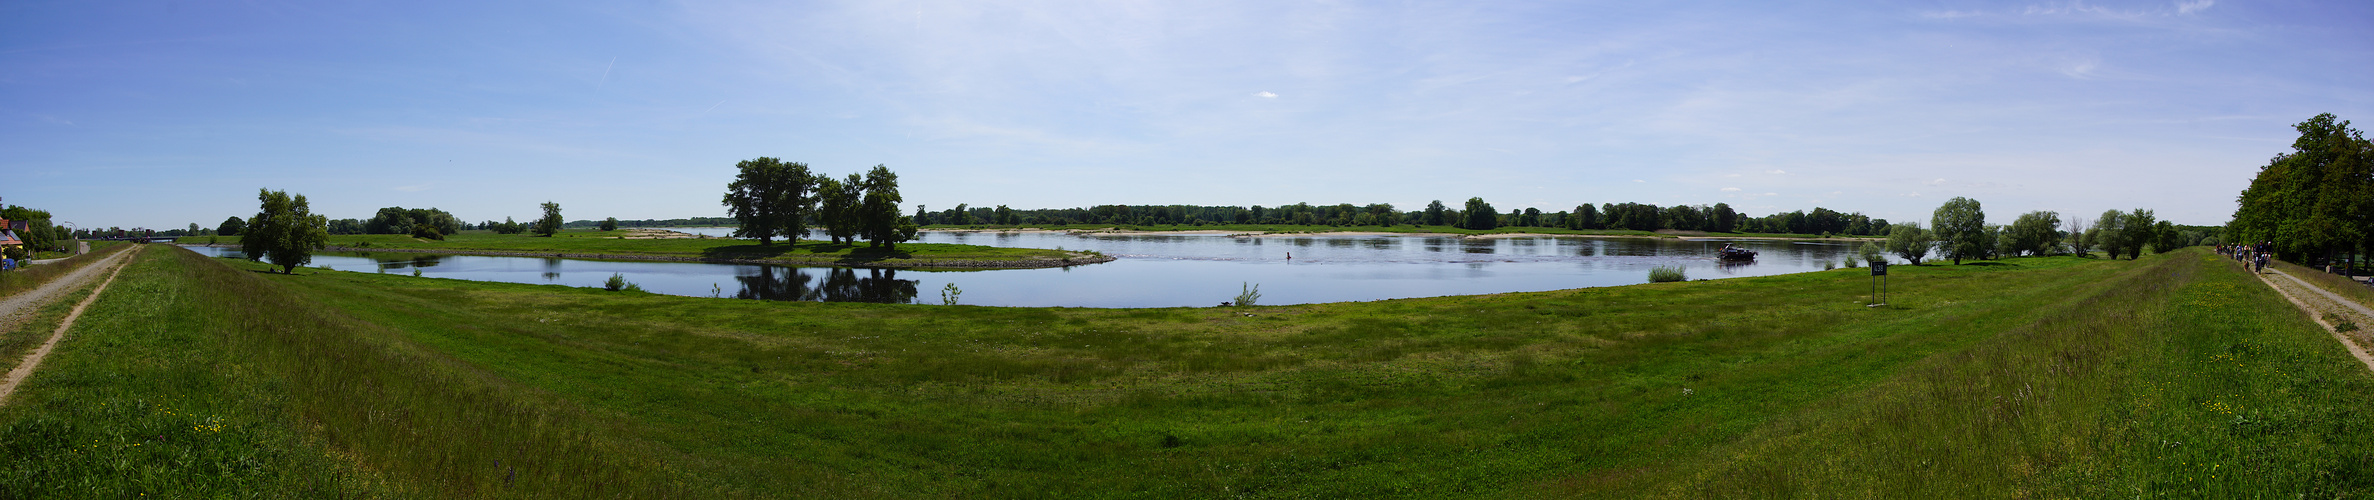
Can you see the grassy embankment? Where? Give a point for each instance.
(33, 276)
(1320, 229)
(589, 243)
(2031, 377)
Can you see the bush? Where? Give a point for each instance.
(1852, 262)
(1663, 274)
(615, 283)
(1251, 294)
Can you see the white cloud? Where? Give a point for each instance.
(1939, 182)
(1730, 189)
(1265, 95)
(1732, 175)
(1638, 180)
(2195, 6)
(1772, 194)
(1777, 172)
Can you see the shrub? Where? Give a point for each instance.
(1662, 274)
(1852, 262)
(1251, 294)
(615, 283)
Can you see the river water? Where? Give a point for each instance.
(1158, 270)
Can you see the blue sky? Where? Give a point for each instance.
(160, 114)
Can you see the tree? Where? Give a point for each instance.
(231, 227)
(1725, 219)
(837, 207)
(1910, 242)
(2110, 233)
(2035, 233)
(878, 210)
(2080, 237)
(1434, 213)
(770, 198)
(285, 231)
(551, 223)
(2165, 238)
(2314, 201)
(2135, 230)
(1480, 215)
(1962, 228)
(1585, 217)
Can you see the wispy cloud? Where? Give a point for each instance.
(2190, 7)
(1730, 189)
(1265, 94)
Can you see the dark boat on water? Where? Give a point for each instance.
(1736, 254)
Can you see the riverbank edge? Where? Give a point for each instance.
(1076, 259)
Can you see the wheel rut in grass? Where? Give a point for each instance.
(31, 361)
(2319, 303)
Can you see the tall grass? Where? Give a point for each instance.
(371, 403)
(2179, 377)
(1976, 381)
(1666, 274)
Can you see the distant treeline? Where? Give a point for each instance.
(687, 222)
(1475, 214)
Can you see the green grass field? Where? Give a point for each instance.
(595, 243)
(2175, 375)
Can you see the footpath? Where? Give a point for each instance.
(2324, 306)
(19, 307)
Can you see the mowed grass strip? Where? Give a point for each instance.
(610, 243)
(1509, 394)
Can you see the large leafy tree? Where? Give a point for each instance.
(2110, 233)
(878, 212)
(2314, 201)
(837, 207)
(285, 231)
(1962, 227)
(1434, 213)
(2137, 229)
(771, 198)
(1480, 215)
(550, 224)
(2035, 233)
(231, 227)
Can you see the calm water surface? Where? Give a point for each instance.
(1158, 271)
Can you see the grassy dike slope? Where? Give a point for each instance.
(591, 244)
(2174, 375)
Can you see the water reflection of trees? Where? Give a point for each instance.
(826, 285)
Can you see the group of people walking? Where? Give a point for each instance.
(2252, 256)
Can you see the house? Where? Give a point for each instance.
(8, 234)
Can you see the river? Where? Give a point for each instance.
(1159, 270)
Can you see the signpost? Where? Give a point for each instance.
(1879, 283)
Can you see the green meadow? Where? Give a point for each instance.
(614, 244)
(2175, 375)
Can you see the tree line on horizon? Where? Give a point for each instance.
(1474, 214)
(2315, 204)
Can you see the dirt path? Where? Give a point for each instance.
(16, 308)
(25, 368)
(2318, 302)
